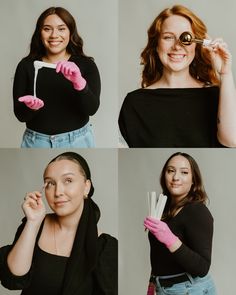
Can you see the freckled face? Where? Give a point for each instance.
(66, 187)
(174, 56)
(178, 177)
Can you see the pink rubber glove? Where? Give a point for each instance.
(31, 102)
(151, 289)
(161, 231)
(71, 72)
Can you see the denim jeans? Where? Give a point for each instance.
(80, 138)
(195, 286)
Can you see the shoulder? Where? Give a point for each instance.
(107, 243)
(83, 60)
(25, 64)
(198, 211)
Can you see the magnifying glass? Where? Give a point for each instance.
(186, 39)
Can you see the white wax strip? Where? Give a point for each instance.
(160, 206)
(153, 203)
(38, 65)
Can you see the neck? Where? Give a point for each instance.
(178, 80)
(69, 222)
(54, 58)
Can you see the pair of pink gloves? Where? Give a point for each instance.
(70, 71)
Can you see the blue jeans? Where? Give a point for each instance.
(195, 286)
(80, 138)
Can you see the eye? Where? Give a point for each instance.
(68, 180)
(46, 29)
(169, 37)
(169, 170)
(185, 172)
(62, 29)
(49, 184)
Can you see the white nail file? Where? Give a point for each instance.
(156, 204)
(39, 64)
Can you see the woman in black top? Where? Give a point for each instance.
(57, 108)
(61, 253)
(181, 243)
(188, 97)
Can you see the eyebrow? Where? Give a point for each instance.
(175, 167)
(62, 25)
(63, 175)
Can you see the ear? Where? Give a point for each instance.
(87, 187)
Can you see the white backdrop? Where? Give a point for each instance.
(97, 23)
(139, 172)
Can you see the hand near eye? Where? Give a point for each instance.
(161, 231)
(33, 207)
(220, 56)
(71, 72)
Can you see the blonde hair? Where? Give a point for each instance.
(200, 68)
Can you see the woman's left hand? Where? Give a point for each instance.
(71, 72)
(220, 56)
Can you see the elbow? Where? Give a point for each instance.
(227, 141)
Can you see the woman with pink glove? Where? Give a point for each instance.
(57, 115)
(181, 243)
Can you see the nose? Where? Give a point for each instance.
(59, 190)
(176, 176)
(54, 33)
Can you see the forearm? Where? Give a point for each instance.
(20, 257)
(226, 111)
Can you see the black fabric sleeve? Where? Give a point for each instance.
(89, 97)
(106, 273)
(9, 280)
(195, 254)
(125, 117)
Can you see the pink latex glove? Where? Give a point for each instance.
(71, 72)
(151, 289)
(161, 231)
(31, 102)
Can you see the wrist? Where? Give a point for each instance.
(175, 245)
(79, 84)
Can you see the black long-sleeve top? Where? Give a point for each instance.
(164, 117)
(194, 227)
(91, 268)
(65, 109)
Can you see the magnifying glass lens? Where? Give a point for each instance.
(185, 38)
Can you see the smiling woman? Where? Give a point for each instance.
(70, 92)
(188, 96)
(62, 252)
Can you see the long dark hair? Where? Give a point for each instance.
(196, 194)
(201, 67)
(75, 46)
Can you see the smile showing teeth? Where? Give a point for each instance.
(54, 43)
(177, 57)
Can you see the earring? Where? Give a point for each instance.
(86, 196)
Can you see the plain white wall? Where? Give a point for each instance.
(97, 22)
(139, 171)
(135, 17)
(21, 171)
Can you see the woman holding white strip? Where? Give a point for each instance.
(181, 242)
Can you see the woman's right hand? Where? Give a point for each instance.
(34, 207)
(32, 102)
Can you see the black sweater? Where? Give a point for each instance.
(178, 117)
(194, 227)
(65, 109)
(91, 268)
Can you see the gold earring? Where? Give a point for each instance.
(86, 196)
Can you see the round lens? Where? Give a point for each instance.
(185, 38)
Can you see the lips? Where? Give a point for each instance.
(176, 57)
(60, 203)
(54, 43)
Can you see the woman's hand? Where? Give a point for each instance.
(32, 102)
(33, 207)
(220, 56)
(161, 231)
(71, 72)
